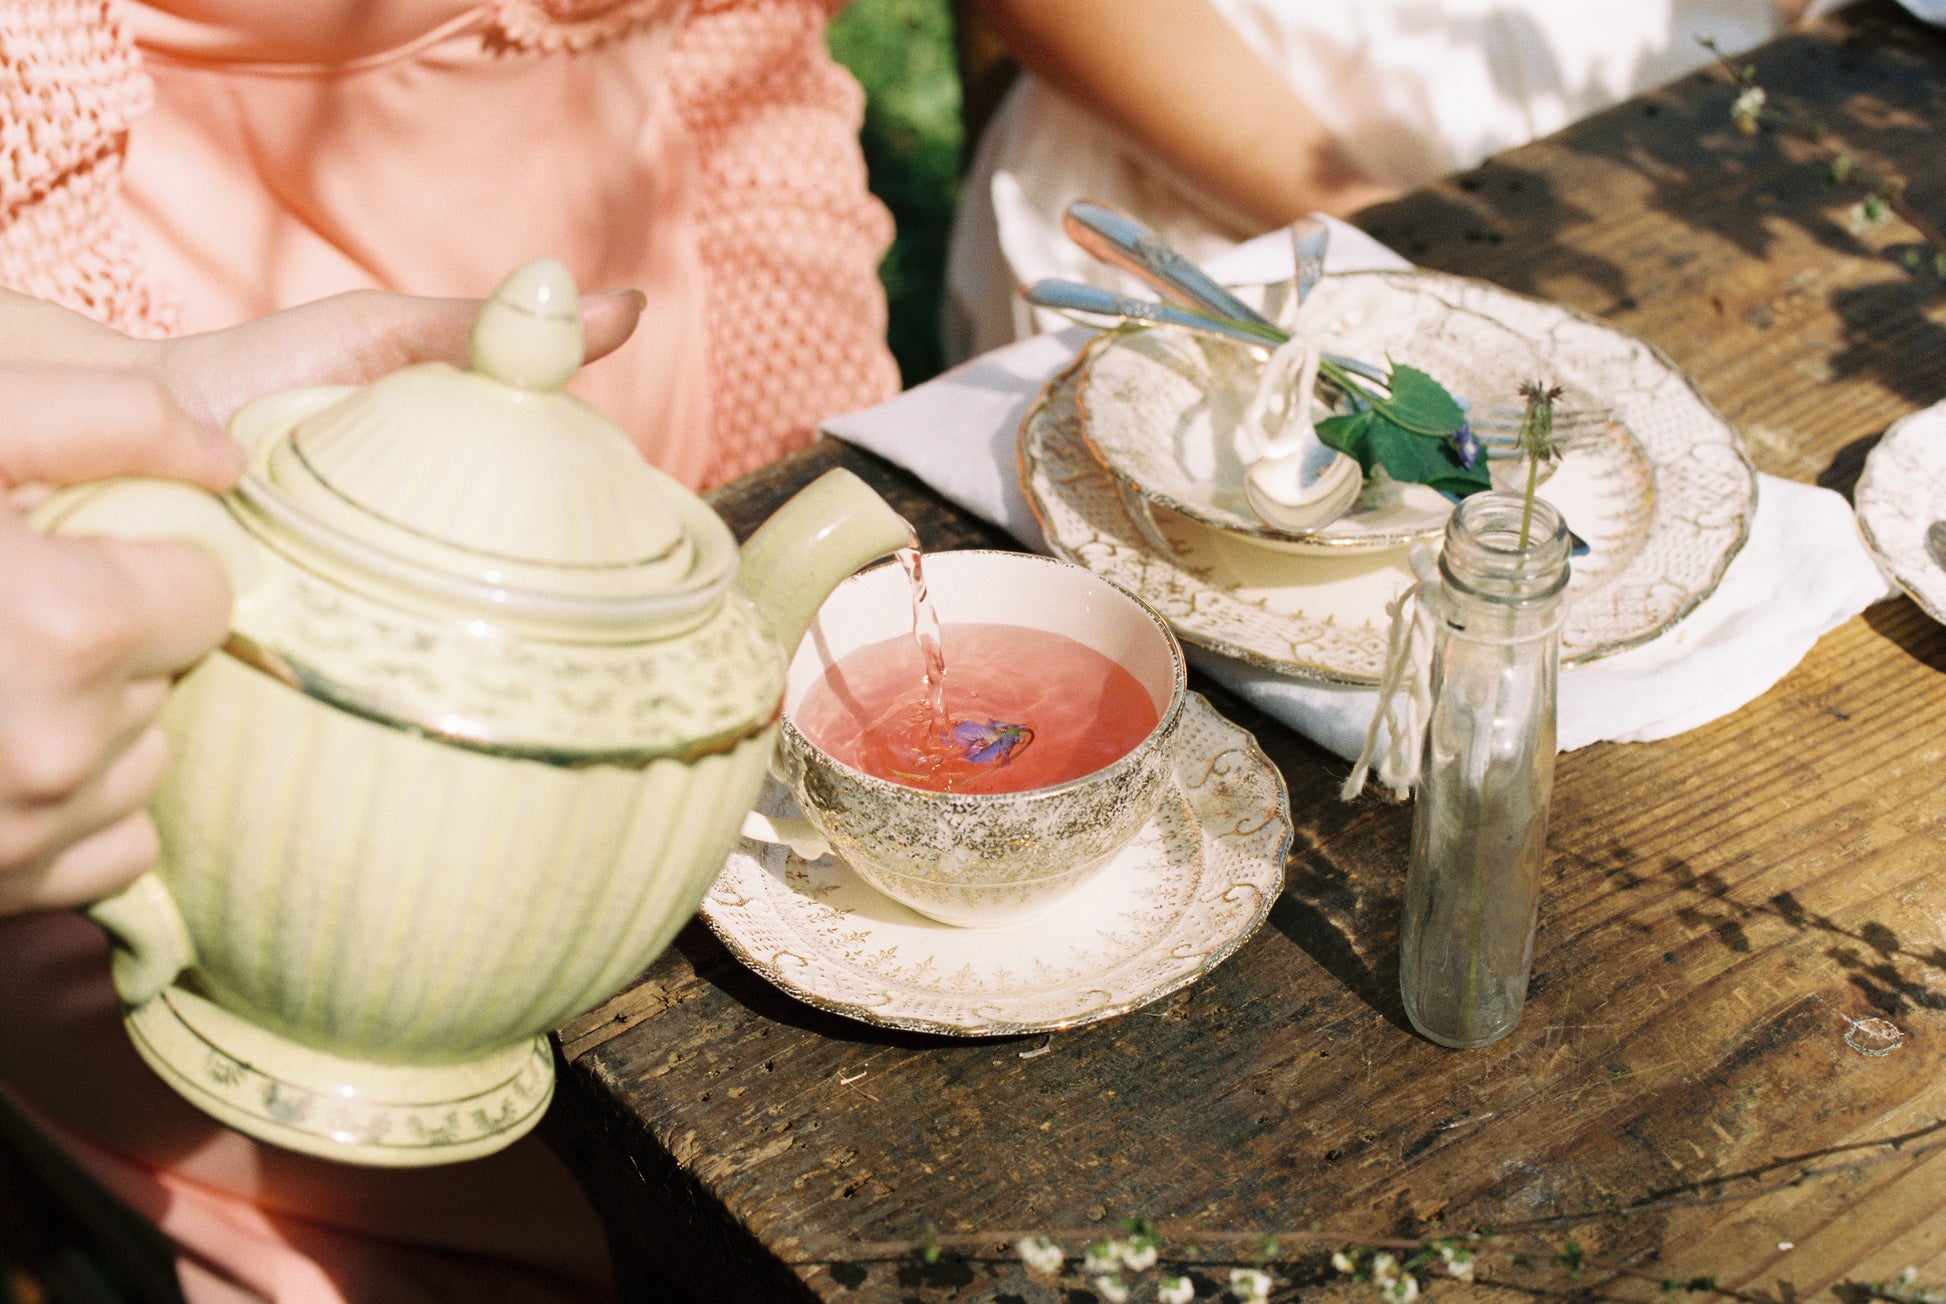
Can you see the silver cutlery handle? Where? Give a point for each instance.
(1092, 300)
(1121, 241)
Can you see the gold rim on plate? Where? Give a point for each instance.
(1900, 493)
(1665, 498)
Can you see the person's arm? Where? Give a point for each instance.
(93, 630)
(1181, 86)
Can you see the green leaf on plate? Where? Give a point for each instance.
(1421, 404)
(1348, 434)
(1413, 458)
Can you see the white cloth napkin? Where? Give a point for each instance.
(1804, 570)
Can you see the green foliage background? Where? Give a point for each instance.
(902, 52)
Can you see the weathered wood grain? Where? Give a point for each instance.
(1721, 909)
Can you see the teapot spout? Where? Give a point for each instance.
(835, 525)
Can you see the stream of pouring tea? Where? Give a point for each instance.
(926, 633)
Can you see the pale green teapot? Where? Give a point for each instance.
(496, 697)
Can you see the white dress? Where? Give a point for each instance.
(1414, 89)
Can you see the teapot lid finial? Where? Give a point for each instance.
(529, 333)
(495, 477)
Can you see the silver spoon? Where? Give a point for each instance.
(1075, 298)
(1120, 241)
(1309, 239)
(1936, 543)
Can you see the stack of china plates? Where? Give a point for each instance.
(1130, 461)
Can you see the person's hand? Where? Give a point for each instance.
(93, 630)
(347, 339)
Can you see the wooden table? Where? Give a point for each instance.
(1721, 910)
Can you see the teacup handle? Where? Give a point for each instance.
(150, 938)
(801, 836)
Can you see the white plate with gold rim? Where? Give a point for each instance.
(1664, 497)
(1193, 886)
(1901, 492)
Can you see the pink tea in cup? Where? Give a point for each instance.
(1024, 709)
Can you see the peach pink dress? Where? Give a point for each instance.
(190, 163)
(703, 152)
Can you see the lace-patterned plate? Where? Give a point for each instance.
(1900, 493)
(1664, 495)
(1191, 888)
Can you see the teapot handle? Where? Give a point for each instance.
(156, 510)
(833, 526)
(143, 921)
(150, 940)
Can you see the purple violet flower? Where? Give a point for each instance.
(992, 741)
(1466, 446)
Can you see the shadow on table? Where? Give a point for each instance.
(1354, 937)
(1893, 975)
(1518, 225)
(713, 962)
(1902, 624)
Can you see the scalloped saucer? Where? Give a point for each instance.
(1900, 493)
(1195, 883)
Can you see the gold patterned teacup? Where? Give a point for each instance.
(981, 859)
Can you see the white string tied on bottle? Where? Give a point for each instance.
(1404, 688)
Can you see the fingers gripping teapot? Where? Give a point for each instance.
(495, 698)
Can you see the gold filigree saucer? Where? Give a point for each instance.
(1192, 886)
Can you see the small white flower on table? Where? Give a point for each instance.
(1041, 1255)
(1175, 1290)
(1102, 1259)
(1250, 1285)
(1459, 1263)
(1112, 1289)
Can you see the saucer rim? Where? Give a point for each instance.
(982, 1026)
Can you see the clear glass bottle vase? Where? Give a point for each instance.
(1479, 820)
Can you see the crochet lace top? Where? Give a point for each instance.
(165, 171)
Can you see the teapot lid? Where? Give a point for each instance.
(492, 478)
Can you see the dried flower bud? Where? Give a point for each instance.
(1748, 109)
